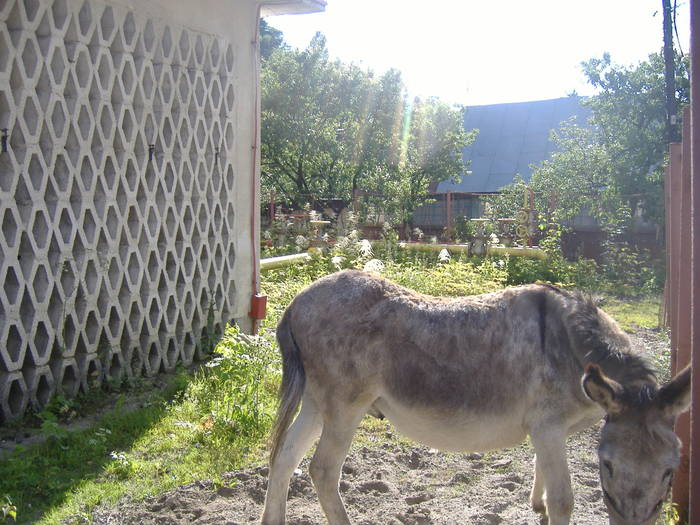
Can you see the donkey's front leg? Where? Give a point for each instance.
(553, 472)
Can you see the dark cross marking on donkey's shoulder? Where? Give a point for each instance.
(542, 309)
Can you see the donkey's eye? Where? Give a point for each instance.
(668, 474)
(608, 467)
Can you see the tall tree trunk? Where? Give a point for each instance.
(672, 128)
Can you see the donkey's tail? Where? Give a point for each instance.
(292, 387)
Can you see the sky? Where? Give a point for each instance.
(486, 52)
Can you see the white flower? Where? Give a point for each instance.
(374, 266)
(444, 255)
(337, 261)
(301, 242)
(365, 248)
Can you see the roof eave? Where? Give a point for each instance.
(291, 7)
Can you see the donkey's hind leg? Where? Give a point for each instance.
(338, 429)
(537, 493)
(296, 441)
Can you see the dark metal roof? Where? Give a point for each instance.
(511, 138)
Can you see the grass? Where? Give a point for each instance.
(641, 312)
(46, 476)
(209, 421)
(200, 426)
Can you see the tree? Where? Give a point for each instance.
(270, 39)
(629, 114)
(613, 168)
(431, 151)
(330, 128)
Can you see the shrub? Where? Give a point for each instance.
(237, 388)
(630, 272)
(453, 278)
(583, 273)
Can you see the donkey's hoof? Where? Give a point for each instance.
(539, 507)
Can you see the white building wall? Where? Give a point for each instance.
(128, 187)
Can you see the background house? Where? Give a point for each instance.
(512, 138)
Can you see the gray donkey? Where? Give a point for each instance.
(472, 374)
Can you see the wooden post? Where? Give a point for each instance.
(448, 211)
(681, 485)
(694, 137)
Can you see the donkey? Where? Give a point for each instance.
(472, 374)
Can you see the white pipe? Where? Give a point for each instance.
(272, 263)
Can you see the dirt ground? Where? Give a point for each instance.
(387, 480)
(390, 483)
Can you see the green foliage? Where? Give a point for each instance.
(237, 388)
(611, 170)
(193, 428)
(430, 151)
(7, 510)
(464, 228)
(329, 128)
(271, 39)
(583, 273)
(454, 278)
(631, 272)
(51, 428)
(630, 114)
(61, 407)
(44, 475)
(669, 514)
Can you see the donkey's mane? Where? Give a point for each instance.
(596, 338)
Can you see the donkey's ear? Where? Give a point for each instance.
(674, 397)
(602, 390)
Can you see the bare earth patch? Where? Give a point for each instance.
(389, 481)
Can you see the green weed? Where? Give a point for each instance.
(7, 510)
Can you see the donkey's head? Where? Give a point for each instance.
(638, 450)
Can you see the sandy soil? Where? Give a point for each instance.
(385, 483)
(387, 480)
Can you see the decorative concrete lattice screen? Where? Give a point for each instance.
(117, 217)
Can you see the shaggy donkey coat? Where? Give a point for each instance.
(471, 374)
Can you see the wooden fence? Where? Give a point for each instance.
(683, 277)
